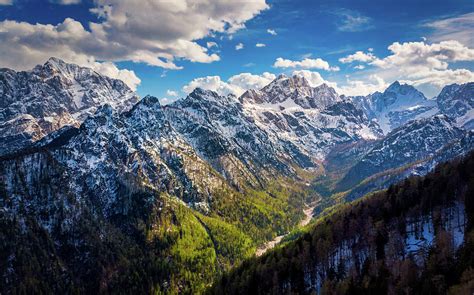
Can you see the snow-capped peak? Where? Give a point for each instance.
(398, 104)
(292, 91)
(394, 85)
(57, 67)
(399, 95)
(457, 101)
(293, 83)
(56, 94)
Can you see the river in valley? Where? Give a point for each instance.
(308, 215)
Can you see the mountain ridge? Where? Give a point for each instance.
(206, 168)
(35, 103)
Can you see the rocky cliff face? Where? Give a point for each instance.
(293, 90)
(37, 102)
(397, 105)
(221, 133)
(414, 148)
(457, 101)
(309, 120)
(110, 152)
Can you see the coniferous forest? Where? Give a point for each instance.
(417, 237)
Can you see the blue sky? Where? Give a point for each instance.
(323, 32)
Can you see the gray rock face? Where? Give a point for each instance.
(311, 120)
(457, 102)
(397, 105)
(419, 144)
(296, 90)
(37, 102)
(111, 152)
(222, 134)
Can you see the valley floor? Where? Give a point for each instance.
(308, 216)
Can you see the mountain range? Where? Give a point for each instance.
(88, 168)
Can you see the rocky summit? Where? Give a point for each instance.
(37, 102)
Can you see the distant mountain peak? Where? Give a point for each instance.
(395, 106)
(324, 86)
(150, 100)
(204, 94)
(54, 66)
(293, 91)
(457, 101)
(56, 94)
(281, 77)
(300, 80)
(394, 84)
(294, 82)
(403, 88)
(55, 61)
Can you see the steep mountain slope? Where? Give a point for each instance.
(417, 237)
(455, 149)
(457, 102)
(130, 181)
(222, 134)
(414, 147)
(312, 120)
(37, 102)
(292, 91)
(397, 105)
(415, 141)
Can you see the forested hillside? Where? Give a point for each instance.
(158, 245)
(417, 237)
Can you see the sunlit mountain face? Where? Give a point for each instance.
(265, 147)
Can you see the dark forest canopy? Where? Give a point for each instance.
(416, 237)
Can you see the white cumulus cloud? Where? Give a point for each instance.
(25, 45)
(236, 84)
(151, 32)
(419, 63)
(171, 93)
(314, 78)
(365, 86)
(239, 46)
(211, 44)
(358, 56)
(213, 83)
(166, 100)
(260, 45)
(110, 69)
(247, 81)
(422, 63)
(271, 32)
(307, 63)
(423, 55)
